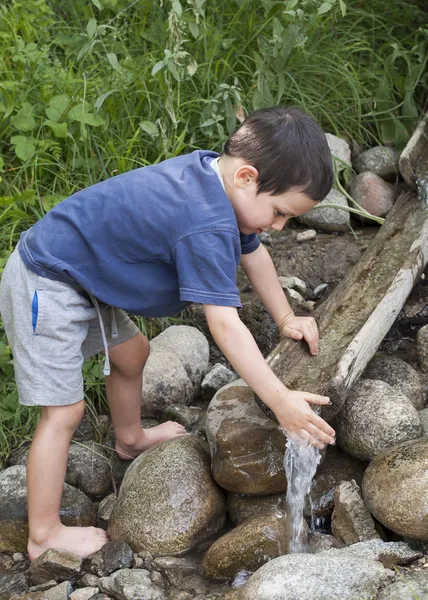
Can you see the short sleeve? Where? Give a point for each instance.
(206, 265)
(249, 243)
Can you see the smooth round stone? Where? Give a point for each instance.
(395, 488)
(381, 160)
(168, 501)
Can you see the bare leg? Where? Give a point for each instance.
(46, 467)
(124, 398)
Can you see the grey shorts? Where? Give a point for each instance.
(52, 329)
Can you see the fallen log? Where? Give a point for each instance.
(355, 318)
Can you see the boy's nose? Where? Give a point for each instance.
(279, 223)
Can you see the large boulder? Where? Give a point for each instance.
(247, 547)
(395, 488)
(400, 375)
(168, 501)
(76, 509)
(376, 416)
(327, 218)
(381, 160)
(316, 577)
(247, 448)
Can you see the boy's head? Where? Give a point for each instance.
(276, 165)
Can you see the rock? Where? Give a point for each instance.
(131, 584)
(57, 564)
(247, 448)
(415, 585)
(184, 566)
(105, 508)
(336, 467)
(329, 219)
(381, 160)
(84, 593)
(190, 346)
(43, 587)
(319, 290)
(117, 555)
(373, 194)
(266, 238)
(387, 553)
(158, 579)
(294, 298)
(18, 557)
(165, 382)
(375, 417)
(247, 547)
(293, 283)
(242, 507)
(423, 415)
(168, 501)
(12, 583)
(339, 148)
(318, 542)
(85, 431)
(59, 592)
(304, 236)
(422, 348)
(186, 415)
(395, 488)
(351, 522)
(216, 379)
(400, 375)
(76, 509)
(88, 580)
(322, 577)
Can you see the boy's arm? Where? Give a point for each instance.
(290, 407)
(261, 272)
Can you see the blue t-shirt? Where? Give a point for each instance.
(149, 241)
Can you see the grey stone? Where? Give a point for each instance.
(185, 566)
(158, 579)
(88, 469)
(186, 415)
(318, 542)
(304, 236)
(168, 501)
(117, 555)
(105, 507)
(381, 160)
(373, 194)
(42, 587)
(320, 576)
(12, 583)
(422, 348)
(395, 488)
(57, 564)
(415, 585)
(423, 415)
(339, 148)
(387, 553)
(59, 592)
(266, 238)
(375, 417)
(351, 522)
(76, 509)
(84, 593)
(400, 375)
(131, 584)
(216, 379)
(87, 580)
(329, 219)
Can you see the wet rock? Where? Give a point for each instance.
(216, 379)
(339, 148)
(381, 160)
(105, 508)
(375, 417)
(395, 488)
(186, 415)
(318, 542)
(168, 501)
(337, 466)
(84, 593)
(329, 219)
(189, 345)
(400, 375)
(415, 585)
(322, 577)
(373, 194)
(57, 564)
(168, 564)
(247, 547)
(387, 553)
(132, 584)
(242, 507)
(76, 509)
(247, 448)
(351, 522)
(422, 348)
(12, 583)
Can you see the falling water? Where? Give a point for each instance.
(300, 464)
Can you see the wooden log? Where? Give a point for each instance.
(354, 319)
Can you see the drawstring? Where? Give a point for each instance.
(114, 333)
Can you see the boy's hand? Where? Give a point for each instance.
(297, 418)
(297, 328)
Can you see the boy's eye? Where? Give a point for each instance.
(280, 214)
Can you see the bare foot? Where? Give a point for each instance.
(150, 437)
(82, 541)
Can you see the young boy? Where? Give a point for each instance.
(150, 242)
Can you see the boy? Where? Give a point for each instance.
(151, 241)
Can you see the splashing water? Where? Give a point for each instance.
(300, 463)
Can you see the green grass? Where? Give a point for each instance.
(89, 90)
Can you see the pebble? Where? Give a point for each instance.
(304, 236)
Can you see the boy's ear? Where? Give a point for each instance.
(245, 175)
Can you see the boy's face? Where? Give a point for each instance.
(261, 212)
